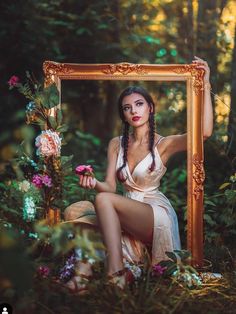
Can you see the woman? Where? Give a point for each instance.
(138, 160)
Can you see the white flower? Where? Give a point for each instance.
(24, 186)
(29, 209)
(136, 270)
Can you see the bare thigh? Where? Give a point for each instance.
(135, 217)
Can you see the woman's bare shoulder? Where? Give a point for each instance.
(159, 138)
(114, 144)
(174, 143)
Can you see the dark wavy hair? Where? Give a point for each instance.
(125, 138)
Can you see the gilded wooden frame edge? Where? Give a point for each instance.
(55, 72)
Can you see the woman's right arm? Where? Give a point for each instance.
(109, 185)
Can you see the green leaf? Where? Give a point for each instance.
(209, 203)
(224, 185)
(53, 122)
(66, 159)
(170, 270)
(172, 256)
(49, 97)
(103, 26)
(209, 220)
(183, 254)
(59, 116)
(62, 128)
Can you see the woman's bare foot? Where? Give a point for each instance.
(121, 278)
(78, 283)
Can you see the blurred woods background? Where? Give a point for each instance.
(102, 31)
(144, 31)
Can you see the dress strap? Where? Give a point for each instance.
(160, 139)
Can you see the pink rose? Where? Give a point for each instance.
(84, 170)
(14, 80)
(48, 143)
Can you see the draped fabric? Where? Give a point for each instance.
(142, 185)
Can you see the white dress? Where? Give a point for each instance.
(143, 186)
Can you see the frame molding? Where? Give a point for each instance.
(56, 72)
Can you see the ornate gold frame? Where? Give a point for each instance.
(55, 72)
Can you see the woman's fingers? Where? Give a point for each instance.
(199, 60)
(89, 183)
(86, 182)
(202, 64)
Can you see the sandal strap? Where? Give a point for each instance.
(88, 277)
(118, 273)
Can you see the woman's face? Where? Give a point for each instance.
(136, 109)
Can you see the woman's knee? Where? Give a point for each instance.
(102, 198)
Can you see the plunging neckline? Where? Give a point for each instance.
(127, 164)
(137, 164)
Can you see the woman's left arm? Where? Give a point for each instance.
(207, 105)
(176, 143)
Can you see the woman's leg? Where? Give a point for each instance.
(116, 212)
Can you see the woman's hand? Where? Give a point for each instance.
(201, 64)
(86, 176)
(87, 182)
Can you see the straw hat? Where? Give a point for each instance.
(81, 212)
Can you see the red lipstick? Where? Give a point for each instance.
(136, 118)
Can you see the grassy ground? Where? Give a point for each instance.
(148, 296)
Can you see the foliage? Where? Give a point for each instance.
(47, 174)
(220, 214)
(30, 282)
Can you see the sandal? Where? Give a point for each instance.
(78, 284)
(121, 278)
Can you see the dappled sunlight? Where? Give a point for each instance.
(41, 244)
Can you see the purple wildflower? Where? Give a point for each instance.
(37, 181)
(46, 180)
(158, 270)
(68, 270)
(40, 180)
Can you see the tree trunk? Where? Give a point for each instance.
(209, 13)
(184, 28)
(231, 144)
(190, 32)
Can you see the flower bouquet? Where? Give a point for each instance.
(43, 109)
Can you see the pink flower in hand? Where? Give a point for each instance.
(14, 80)
(84, 170)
